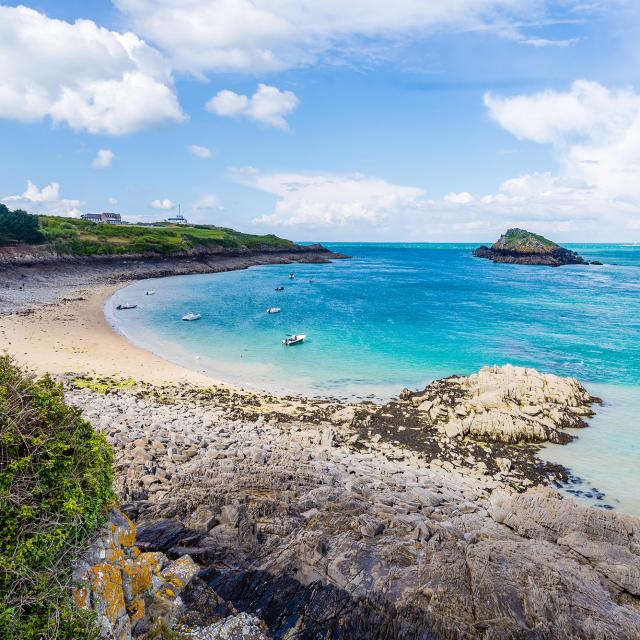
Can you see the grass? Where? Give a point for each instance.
(72, 236)
(514, 237)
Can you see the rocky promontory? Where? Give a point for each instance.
(315, 519)
(518, 246)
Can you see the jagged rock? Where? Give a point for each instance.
(509, 404)
(239, 627)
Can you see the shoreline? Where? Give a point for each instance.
(52, 313)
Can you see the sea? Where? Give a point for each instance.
(399, 315)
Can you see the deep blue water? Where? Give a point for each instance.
(399, 315)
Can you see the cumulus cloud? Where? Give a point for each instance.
(103, 159)
(43, 201)
(318, 200)
(200, 152)
(268, 105)
(162, 204)
(595, 132)
(82, 75)
(268, 35)
(112, 200)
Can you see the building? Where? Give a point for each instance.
(103, 218)
(179, 219)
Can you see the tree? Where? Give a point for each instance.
(19, 225)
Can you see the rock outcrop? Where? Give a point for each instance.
(339, 529)
(129, 591)
(518, 246)
(509, 404)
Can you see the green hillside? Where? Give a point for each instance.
(78, 237)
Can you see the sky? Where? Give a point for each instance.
(367, 120)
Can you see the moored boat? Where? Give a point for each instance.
(189, 317)
(294, 338)
(292, 276)
(279, 288)
(150, 293)
(124, 307)
(274, 310)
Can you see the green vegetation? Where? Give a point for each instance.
(18, 225)
(55, 485)
(520, 237)
(103, 385)
(79, 237)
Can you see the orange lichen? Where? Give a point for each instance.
(106, 584)
(81, 597)
(136, 609)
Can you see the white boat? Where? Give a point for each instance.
(274, 310)
(292, 276)
(293, 339)
(150, 293)
(123, 307)
(192, 316)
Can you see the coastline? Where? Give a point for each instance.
(52, 313)
(312, 503)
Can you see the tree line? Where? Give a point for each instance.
(18, 225)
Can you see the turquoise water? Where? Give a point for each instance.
(399, 315)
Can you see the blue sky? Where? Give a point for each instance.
(448, 120)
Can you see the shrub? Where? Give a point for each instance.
(55, 484)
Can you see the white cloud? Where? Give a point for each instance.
(112, 200)
(327, 200)
(103, 159)
(80, 74)
(207, 201)
(200, 152)
(43, 201)
(268, 35)
(458, 198)
(268, 105)
(595, 132)
(162, 204)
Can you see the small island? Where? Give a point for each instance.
(518, 246)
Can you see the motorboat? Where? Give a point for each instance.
(279, 288)
(293, 339)
(292, 276)
(190, 317)
(124, 307)
(274, 310)
(150, 293)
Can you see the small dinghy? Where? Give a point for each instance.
(279, 288)
(190, 317)
(150, 293)
(124, 307)
(274, 310)
(293, 339)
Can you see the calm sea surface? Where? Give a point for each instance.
(400, 315)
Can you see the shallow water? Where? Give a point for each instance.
(399, 315)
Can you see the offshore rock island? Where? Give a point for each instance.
(518, 246)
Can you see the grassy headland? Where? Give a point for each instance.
(71, 236)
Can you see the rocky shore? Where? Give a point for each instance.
(518, 246)
(429, 517)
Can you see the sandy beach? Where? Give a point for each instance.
(72, 335)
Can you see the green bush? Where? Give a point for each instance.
(55, 486)
(18, 225)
